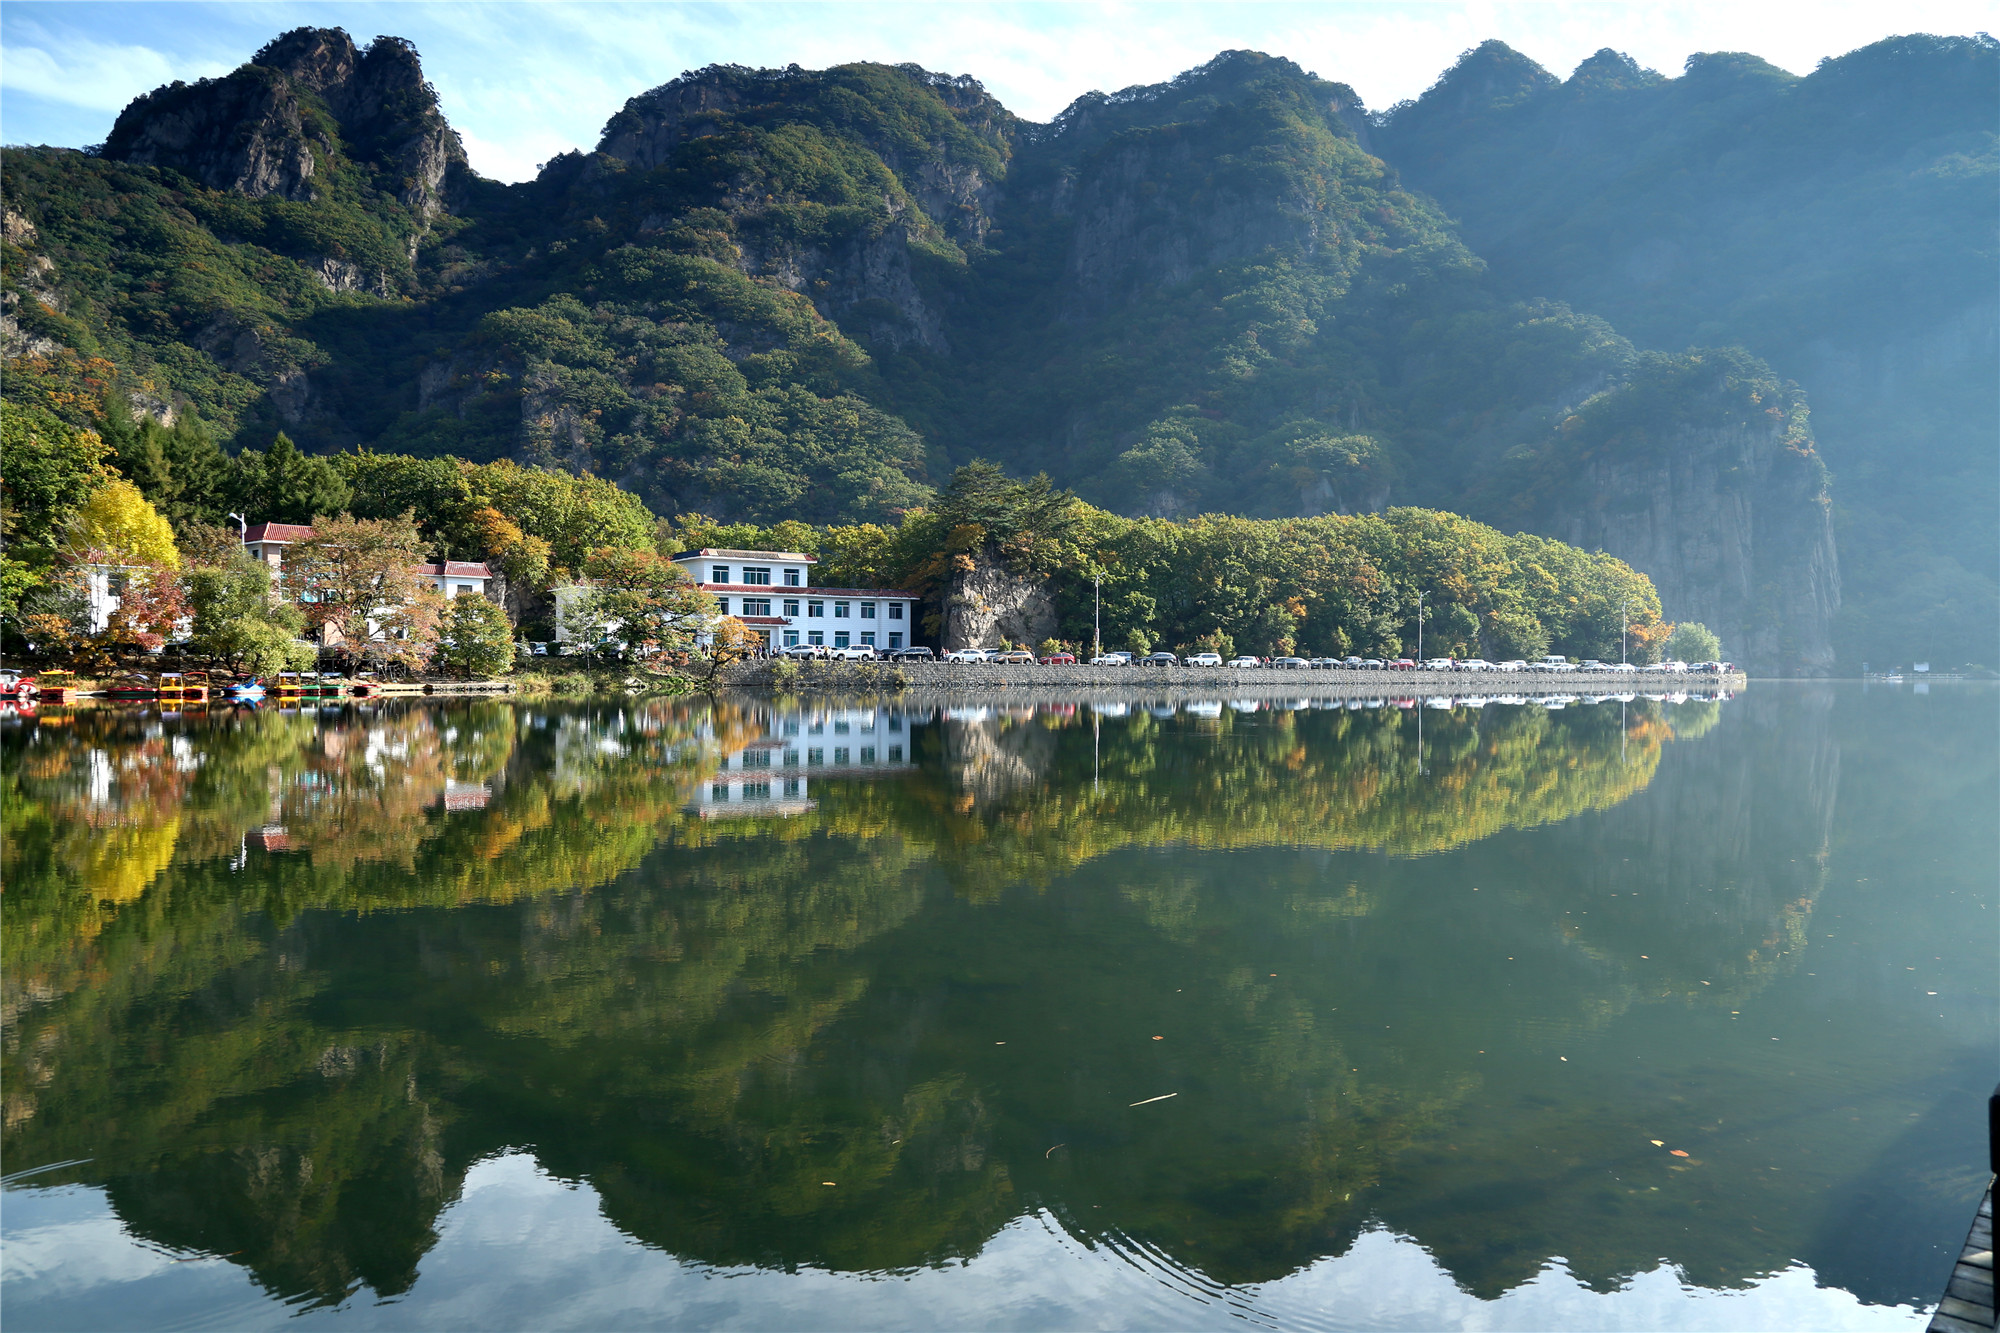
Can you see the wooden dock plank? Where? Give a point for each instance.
(1967, 1306)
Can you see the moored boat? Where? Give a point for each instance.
(195, 687)
(57, 687)
(137, 685)
(245, 691)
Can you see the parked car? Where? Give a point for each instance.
(1403, 664)
(1439, 663)
(1120, 658)
(1291, 663)
(1204, 659)
(1516, 665)
(1059, 659)
(966, 655)
(1159, 659)
(1244, 662)
(1474, 664)
(1015, 657)
(858, 653)
(1553, 663)
(917, 654)
(1325, 663)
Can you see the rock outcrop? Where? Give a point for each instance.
(989, 604)
(276, 126)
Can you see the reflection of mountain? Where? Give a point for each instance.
(711, 1019)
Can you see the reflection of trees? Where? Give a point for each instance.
(709, 1020)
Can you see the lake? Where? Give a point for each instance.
(1009, 1012)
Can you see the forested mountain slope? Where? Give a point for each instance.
(1841, 226)
(809, 294)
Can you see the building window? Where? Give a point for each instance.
(792, 784)
(465, 588)
(867, 754)
(840, 610)
(816, 638)
(791, 638)
(815, 756)
(895, 753)
(792, 761)
(791, 606)
(760, 577)
(868, 610)
(756, 606)
(816, 609)
(840, 639)
(895, 610)
(756, 759)
(791, 728)
(895, 639)
(817, 729)
(840, 754)
(756, 791)
(896, 725)
(718, 573)
(722, 605)
(840, 728)
(868, 639)
(718, 791)
(791, 578)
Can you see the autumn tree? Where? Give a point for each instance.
(643, 600)
(359, 578)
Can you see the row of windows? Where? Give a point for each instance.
(753, 575)
(761, 606)
(841, 639)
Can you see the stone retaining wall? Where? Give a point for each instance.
(978, 677)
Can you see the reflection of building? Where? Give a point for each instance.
(769, 592)
(801, 742)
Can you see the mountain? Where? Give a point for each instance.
(810, 294)
(1842, 226)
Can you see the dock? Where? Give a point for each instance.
(1967, 1306)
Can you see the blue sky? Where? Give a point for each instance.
(524, 81)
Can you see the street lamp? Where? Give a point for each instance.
(1624, 623)
(242, 528)
(1420, 633)
(1096, 615)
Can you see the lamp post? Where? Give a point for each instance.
(1420, 635)
(1624, 623)
(242, 528)
(1096, 615)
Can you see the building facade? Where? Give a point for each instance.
(771, 592)
(453, 578)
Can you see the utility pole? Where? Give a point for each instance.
(1420, 651)
(1624, 623)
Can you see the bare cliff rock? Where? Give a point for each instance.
(279, 125)
(988, 604)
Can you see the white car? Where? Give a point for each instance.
(1475, 664)
(1202, 659)
(1112, 659)
(1515, 665)
(965, 655)
(1244, 662)
(1437, 664)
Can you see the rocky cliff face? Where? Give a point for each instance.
(277, 125)
(988, 604)
(1731, 519)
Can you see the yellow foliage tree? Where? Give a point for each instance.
(117, 526)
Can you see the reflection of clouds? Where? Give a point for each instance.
(523, 1247)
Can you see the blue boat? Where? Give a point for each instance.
(244, 692)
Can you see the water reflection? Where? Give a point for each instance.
(855, 986)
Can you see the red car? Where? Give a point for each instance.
(1059, 659)
(1402, 664)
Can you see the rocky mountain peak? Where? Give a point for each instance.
(304, 104)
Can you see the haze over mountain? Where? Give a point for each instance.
(792, 293)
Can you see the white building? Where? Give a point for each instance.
(771, 592)
(453, 578)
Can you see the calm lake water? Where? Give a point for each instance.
(493, 1015)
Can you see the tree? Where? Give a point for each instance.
(116, 526)
(359, 576)
(1693, 641)
(474, 638)
(237, 623)
(47, 469)
(643, 600)
(282, 485)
